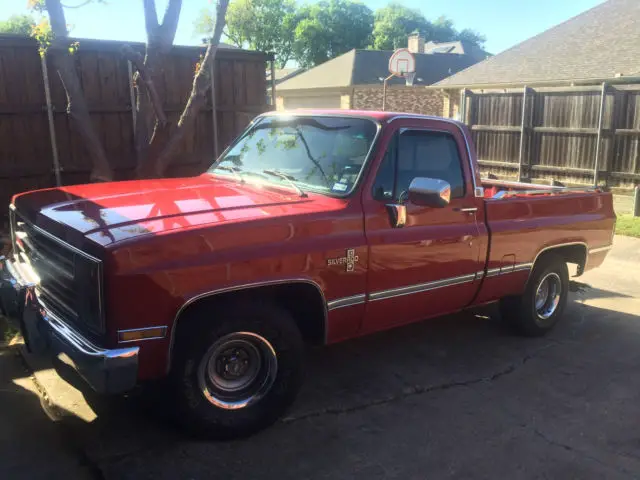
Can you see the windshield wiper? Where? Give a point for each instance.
(287, 178)
(235, 170)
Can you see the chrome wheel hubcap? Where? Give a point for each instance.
(237, 370)
(548, 296)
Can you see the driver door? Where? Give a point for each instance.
(429, 266)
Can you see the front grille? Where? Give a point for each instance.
(70, 280)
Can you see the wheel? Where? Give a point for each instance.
(542, 304)
(237, 370)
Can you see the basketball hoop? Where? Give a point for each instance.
(401, 64)
(409, 77)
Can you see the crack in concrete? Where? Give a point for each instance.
(582, 454)
(419, 390)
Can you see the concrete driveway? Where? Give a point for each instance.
(457, 397)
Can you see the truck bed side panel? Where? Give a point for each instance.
(522, 227)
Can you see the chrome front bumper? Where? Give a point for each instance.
(106, 371)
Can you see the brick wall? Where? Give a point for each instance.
(399, 99)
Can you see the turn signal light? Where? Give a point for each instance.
(141, 334)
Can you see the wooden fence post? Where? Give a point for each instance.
(603, 102)
(523, 132)
(52, 128)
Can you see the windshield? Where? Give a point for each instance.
(324, 154)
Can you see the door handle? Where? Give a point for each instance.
(467, 210)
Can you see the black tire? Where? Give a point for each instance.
(201, 415)
(521, 312)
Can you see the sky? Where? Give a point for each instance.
(505, 23)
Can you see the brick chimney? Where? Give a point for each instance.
(415, 43)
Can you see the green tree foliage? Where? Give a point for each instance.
(313, 33)
(472, 36)
(18, 25)
(330, 28)
(394, 23)
(264, 25)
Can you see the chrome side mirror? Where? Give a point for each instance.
(429, 192)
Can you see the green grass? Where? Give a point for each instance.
(628, 225)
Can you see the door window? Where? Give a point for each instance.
(419, 153)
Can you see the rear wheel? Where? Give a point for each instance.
(541, 306)
(238, 372)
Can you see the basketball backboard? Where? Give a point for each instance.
(402, 62)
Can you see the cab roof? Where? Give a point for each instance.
(371, 114)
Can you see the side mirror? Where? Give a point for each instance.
(429, 192)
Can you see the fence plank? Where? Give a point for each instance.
(26, 155)
(569, 132)
(523, 132)
(596, 166)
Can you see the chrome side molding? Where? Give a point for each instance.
(421, 287)
(346, 301)
(520, 267)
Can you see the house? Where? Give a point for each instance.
(601, 44)
(282, 74)
(355, 80)
(560, 106)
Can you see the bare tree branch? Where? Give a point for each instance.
(86, 2)
(150, 19)
(144, 75)
(201, 84)
(170, 22)
(234, 39)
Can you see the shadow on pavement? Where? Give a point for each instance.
(32, 445)
(588, 292)
(413, 402)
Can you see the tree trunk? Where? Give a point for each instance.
(151, 135)
(149, 105)
(77, 108)
(201, 85)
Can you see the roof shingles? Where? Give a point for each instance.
(366, 67)
(598, 44)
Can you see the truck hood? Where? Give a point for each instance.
(112, 212)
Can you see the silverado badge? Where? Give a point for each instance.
(350, 260)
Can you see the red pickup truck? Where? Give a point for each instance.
(313, 227)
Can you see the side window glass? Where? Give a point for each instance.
(431, 155)
(385, 178)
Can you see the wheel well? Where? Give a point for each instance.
(576, 253)
(303, 300)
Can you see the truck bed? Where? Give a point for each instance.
(523, 220)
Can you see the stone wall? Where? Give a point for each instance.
(399, 99)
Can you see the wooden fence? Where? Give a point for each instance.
(26, 151)
(576, 135)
